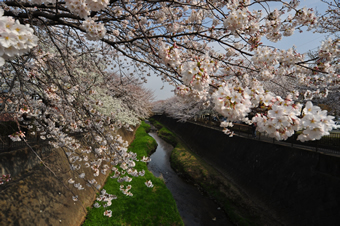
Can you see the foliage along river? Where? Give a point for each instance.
(194, 207)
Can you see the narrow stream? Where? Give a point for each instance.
(194, 207)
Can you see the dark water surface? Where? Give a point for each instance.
(194, 207)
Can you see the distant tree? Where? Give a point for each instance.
(330, 22)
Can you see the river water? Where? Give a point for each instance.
(194, 207)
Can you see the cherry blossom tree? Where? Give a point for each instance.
(58, 91)
(74, 66)
(329, 23)
(183, 110)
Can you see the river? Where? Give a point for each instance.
(194, 207)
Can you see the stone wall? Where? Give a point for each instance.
(299, 187)
(36, 196)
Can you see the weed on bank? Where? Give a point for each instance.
(147, 206)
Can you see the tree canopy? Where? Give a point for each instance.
(72, 66)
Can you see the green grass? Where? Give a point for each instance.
(190, 166)
(147, 206)
(168, 136)
(157, 124)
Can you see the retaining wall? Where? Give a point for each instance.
(299, 187)
(35, 196)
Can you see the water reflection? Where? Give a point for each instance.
(194, 207)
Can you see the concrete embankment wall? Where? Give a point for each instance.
(35, 196)
(299, 187)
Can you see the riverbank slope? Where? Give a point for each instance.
(147, 206)
(35, 196)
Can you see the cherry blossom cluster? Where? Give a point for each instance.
(236, 20)
(233, 102)
(126, 190)
(170, 55)
(190, 93)
(145, 159)
(17, 136)
(94, 30)
(225, 125)
(328, 51)
(281, 120)
(196, 73)
(105, 197)
(330, 23)
(75, 198)
(78, 7)
(316, 123)
(182, 90)
(81, 8)
(267, 57)
(108, 213)
(183, 108)
(310, 95)
(284, 118)
(97, 5)
(307, 17)
(149, 184)
(273, 26)
(241, 19)
(71, 181)
(15, 39)
(5, 179)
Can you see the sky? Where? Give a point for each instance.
(303, 42)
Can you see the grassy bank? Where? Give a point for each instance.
(196, 170)
(147, 206)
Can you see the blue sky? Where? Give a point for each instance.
(303, 42)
